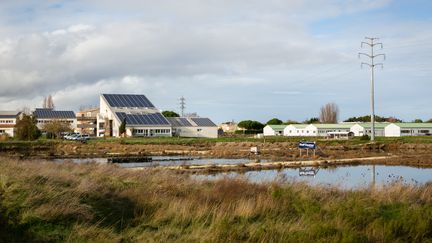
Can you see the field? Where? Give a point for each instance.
(47, 202)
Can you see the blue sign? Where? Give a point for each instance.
(307, 145)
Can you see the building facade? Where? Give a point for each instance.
(196, 127)
(8, 120)
(87, 121)
(47, 115)
(274, 130)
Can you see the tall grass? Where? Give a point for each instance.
(47, 202)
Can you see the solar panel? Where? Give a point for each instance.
(53, 114)
(143, 119)
(203, 122)
(127, 100)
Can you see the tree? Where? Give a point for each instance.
(48, 102)
(274, 121)
(418, 120)
(170, 114)
(54, 129)
(26, 128)
(329, 113)
(377, 119)
(251, 125)
(429, 121)
(122, 128)
(312, 120)
(291, 122)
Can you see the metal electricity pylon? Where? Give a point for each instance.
(371, 43)
(182, 105)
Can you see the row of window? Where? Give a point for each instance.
(413, 131)
(152, 131)
(6, 121)
(48, 121)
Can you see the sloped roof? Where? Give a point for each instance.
(9, 114)
(128, 100)
(151, 119)
(413, 125)
(379, 125)
(278, 127)
(42, 113)
(179, 122)
(333, 126)
(301, 126)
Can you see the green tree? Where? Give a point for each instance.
(312, 120)
(170, 114)
(26, 128)
(429, 121)
(274, 121)
(418, 120)
(55, 128)
(122, 127)
(367, 118)
(251, 125)
(291, 122)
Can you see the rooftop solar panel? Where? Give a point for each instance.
(128, 100)
(155, 119)
(203, 122)
(179, 122)
(53, 114)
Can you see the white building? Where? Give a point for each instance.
(274, 130)
(47, 115)
(298, 130)
(315, 130)
(140, 115)
(196, 127)
(408, 129)
(360, 129)
(8, 121)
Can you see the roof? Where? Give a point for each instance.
(128, 100)
(150, 119)
(413, 125)
(9, 114)
(179, 122)
(380, 125)
(42, 113)
(299, 125)
(278, 127)
(333, 126)
(203, 122)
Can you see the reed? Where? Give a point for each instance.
(47, 202)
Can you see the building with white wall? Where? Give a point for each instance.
(408, 129)
(298, 130)
(8, 121)
(274, 130)
(47, 115)
(142, 118)
(360, 129)
(196, 127)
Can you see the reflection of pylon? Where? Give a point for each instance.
(182, 105)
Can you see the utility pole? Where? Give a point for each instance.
(182, 105)
(371, 43)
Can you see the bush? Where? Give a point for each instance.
(365, 137)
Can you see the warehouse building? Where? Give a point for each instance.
(197, 127)
(298, 130)
(408, 129)
(274, 130)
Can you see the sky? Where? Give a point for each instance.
(231, 60)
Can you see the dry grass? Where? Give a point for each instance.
(43, 201)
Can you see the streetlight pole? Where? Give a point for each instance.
(371, 43)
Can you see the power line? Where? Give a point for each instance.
(371, 43)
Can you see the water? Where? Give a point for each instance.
(173, 162)
(346, 177)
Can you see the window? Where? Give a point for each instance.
(2, 131)
(405, 131)
(199, 130)
(423, 131)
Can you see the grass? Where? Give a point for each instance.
(48, 202)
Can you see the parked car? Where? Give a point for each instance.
(81, 137)
(72, 135)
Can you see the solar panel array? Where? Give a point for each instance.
(9, 114)
(156, 119)
(127, 100)
(203, 122)
(179, 122)
(52, 114)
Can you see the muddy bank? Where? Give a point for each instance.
(277, 151)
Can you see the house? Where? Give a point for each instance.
(228, 127)
(326, 130)
(87, 121)
(47, 115)
(315, 130)
(141, 117)
(274, 130)
(360, 129)
(8, 121)
(408, 129)
(193, 127)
